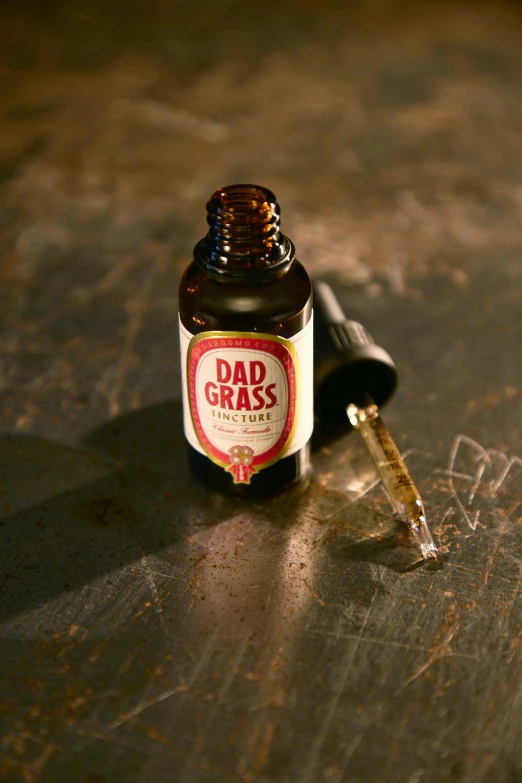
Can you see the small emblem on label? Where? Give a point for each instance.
(241, 468)
(242, 392)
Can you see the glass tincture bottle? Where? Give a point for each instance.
(245, 309)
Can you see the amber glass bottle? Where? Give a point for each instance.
(245, 309)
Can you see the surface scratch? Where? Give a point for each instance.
(310, 770)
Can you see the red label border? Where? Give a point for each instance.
(281, 349)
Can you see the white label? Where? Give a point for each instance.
(247, 396)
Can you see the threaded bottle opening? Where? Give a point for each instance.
(244, 233)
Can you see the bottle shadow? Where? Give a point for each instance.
(127, 493)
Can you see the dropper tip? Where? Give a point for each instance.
(430, 554)
(422, 535)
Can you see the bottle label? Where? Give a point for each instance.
(247, 397)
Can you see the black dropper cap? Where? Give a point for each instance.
(348, 366)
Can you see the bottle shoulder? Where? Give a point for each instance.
(279, 306)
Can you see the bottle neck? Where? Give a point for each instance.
(244, 242)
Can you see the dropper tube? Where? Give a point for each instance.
(394, 474)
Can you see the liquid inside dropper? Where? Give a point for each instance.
(394, 474)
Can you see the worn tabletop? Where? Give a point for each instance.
(155, 632)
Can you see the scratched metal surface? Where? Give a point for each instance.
(154, 631)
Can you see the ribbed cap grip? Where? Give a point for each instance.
(348, 366)
(349, 335)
